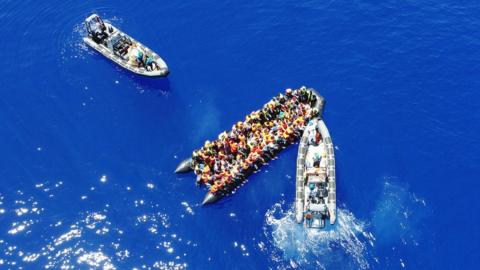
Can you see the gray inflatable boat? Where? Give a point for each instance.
(122, 49)
(315, 182)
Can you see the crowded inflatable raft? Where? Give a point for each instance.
(223, 164)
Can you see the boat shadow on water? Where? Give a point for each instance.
(160, 85)
(141, 83)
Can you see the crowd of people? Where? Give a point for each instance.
(224, 163)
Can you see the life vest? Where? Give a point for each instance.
(234, 148)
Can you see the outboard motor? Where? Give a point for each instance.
(96, 28)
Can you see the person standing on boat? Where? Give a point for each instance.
(308, 218)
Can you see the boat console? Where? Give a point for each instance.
(96, 29)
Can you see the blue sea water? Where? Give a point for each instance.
(88, 149)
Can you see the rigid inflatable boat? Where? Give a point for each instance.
(122, 49)
(315, 181)
(311, 99)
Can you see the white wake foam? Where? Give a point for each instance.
(342, 246)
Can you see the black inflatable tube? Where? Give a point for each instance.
(320, 103)
(211, 198)
(184, 166)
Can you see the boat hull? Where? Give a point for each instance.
(162, 72)
(330, 171)
(185, 165)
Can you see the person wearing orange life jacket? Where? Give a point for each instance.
(309, 218)
(228, 180)
(214, 189)
(234, 148)
(286, 135)
(241, 137)
(299, 121)
(206, 169)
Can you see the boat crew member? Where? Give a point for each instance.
(308, 218)
(150, 63)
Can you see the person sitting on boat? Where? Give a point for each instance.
(310, 191)
(136, 55)
(132, 55)
(323, 162)
(150, 63)
(140, 56)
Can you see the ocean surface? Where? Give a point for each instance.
(87, 150)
